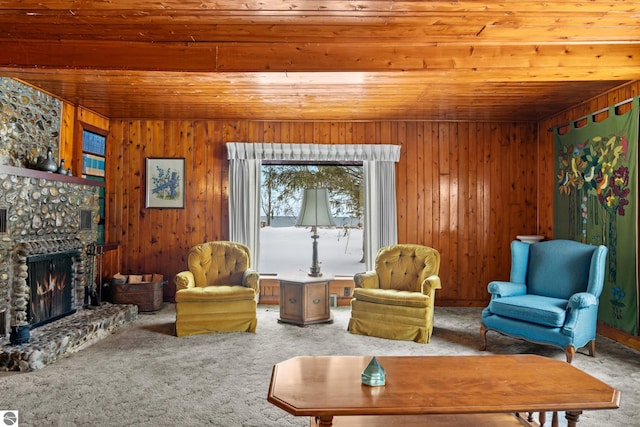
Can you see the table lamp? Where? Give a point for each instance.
(315, 212)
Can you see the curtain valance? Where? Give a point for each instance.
(313, 152)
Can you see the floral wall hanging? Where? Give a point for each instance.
(595, 202)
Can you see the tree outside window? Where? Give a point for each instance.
(286, 248)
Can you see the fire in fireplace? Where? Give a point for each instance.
(50, 281)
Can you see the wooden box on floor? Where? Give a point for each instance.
(143, 290)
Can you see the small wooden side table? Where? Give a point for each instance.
(304, 299)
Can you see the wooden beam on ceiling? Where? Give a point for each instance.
(591, 62)
(322, 59)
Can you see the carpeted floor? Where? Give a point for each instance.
(143, 375)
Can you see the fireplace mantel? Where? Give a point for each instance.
(33, 173)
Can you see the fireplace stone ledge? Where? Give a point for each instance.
(68, 335)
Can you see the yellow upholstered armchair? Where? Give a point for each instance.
(396, 300)
(219, 292)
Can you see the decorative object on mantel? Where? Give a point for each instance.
(61, 170)
(530, 238)
(47, 164)
(374, 374)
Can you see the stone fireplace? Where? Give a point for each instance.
(44, 223)
(48, 230)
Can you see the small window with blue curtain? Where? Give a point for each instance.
(94, 146)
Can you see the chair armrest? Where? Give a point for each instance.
(251, 279)
(578, 307)
(185, 280)
(506, 289)
(430, 284)
(368, 279)
(582, 300)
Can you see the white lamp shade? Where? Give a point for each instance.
(315, 209)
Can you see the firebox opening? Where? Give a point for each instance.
(50, 280)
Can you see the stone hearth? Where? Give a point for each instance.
(51, 342)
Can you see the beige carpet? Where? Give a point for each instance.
(143, 375)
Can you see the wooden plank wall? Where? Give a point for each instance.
(466, 189)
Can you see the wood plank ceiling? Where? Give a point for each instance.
(500, 60)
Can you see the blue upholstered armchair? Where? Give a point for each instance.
(552, 296)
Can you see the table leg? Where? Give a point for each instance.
(572, 418)
(542, 417)
(324, 420)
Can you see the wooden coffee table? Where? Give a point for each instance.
(448, 389)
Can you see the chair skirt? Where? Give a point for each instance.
(391, 322)
(194, 318)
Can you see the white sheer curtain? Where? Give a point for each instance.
(379, 180)
(244, 205)
(380, 208)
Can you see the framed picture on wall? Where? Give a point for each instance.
(165, 183)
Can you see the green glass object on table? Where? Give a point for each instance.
(374, 374)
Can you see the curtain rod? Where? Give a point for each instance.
(602, 110)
